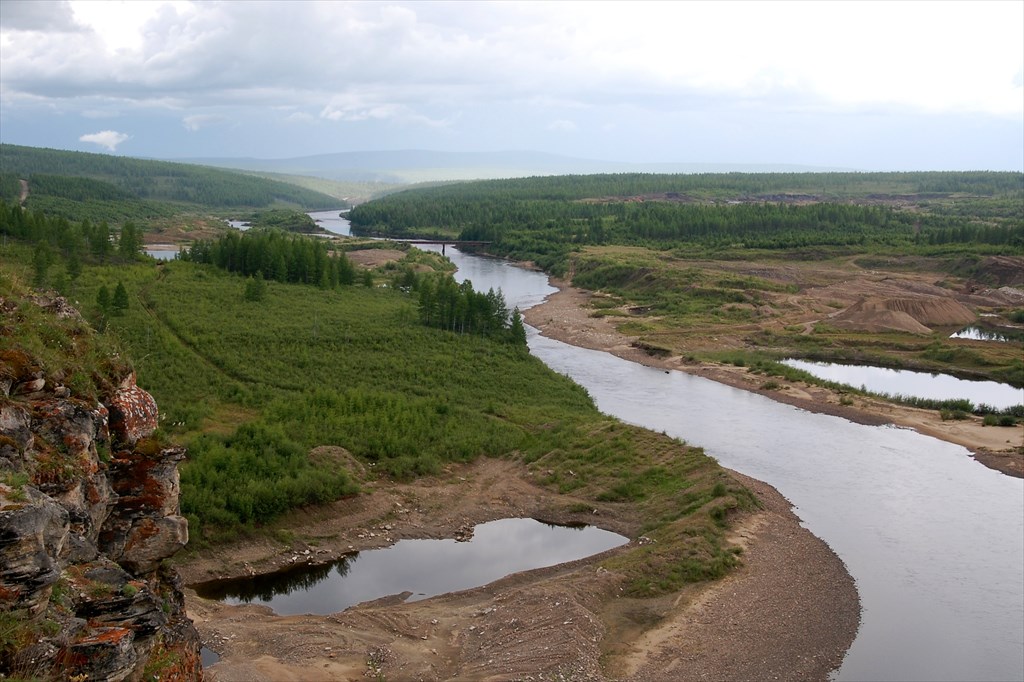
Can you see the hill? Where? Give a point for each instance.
(78, 185)
(418, 165)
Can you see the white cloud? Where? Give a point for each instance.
(503, 70)
(105, 138)
(196, 121)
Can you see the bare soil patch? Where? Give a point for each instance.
(792, 604)
(374, 258)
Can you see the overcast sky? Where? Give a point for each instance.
(865, 85)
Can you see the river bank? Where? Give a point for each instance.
(791, 604)
(565, 316)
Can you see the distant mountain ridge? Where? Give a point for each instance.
(418, 165)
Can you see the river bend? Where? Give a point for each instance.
(933, 539)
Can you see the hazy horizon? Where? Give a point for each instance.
(892, 86)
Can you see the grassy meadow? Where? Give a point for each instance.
(252, 386)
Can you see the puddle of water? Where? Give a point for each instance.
(208, 656)
(421, 568)
(162, 254)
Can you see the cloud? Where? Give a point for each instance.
(32, 15)
(492, 74)
(105, 138)
(196, 121)
(367, 106)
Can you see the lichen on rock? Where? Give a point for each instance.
(88, 514)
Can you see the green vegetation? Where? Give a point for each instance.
(274, 255)
(544, 219)
(285, 219)
(98, 187)
(264, 346)
(253, 392)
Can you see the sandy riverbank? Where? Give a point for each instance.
(565, 316)
(790, 612)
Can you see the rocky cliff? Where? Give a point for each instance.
(88, 514)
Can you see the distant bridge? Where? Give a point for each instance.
(443, 242)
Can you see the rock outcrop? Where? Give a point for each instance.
(88, 514)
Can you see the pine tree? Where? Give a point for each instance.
(517, 330)
(103, 300)
(256, 288)
(119, 303)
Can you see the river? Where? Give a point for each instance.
(934, 540)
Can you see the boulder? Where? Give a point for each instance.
(133, 413)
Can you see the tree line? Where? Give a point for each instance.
(444, 304)
(80, 176)
(542, 219)
(274, 255)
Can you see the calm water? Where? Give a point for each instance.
(983, 334)
(424, 568)
(162, 254)
(916, 384)
(332, 222)
(934, 540)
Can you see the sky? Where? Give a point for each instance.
(861, 85)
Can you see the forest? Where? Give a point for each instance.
(78, 185)
(277, 362)
(543, 219)
(272, 393)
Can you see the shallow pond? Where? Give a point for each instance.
(424, 568)
(162, 254)
(976, 333)
(914, 384)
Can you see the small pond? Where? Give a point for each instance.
(423, 568)
(915, 384)
(162, 254)
(975, 333)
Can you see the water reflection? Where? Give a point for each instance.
(162, 254)
(934, 540)
(424, 568)
(975, 333)
(914, 384)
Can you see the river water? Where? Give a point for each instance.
(934, 540)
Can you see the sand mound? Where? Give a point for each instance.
(903, 314)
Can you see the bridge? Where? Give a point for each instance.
(443, 242)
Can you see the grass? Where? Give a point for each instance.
(251, 387)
